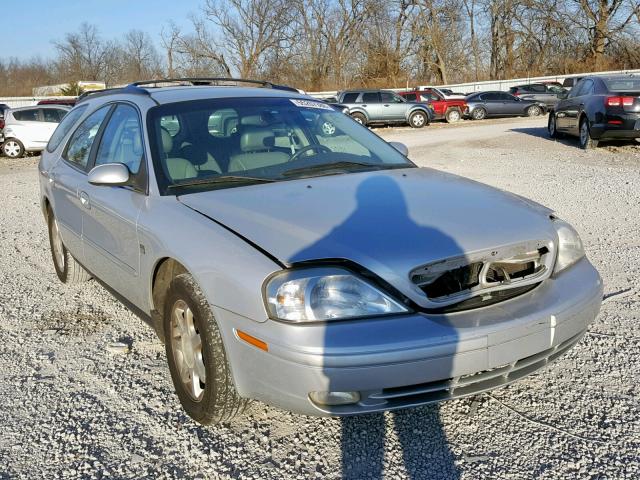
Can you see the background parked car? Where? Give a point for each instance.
(541, 92)
(599, 108)
(28, 129)
(69, 102)
(569, 83)
(384, 107)
(443, 92)
(451, 110)
(502, 104)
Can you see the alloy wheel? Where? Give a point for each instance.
(584, 133)
(187, 350)
(418, 120)
(58, 248)
(552, 125)
(329, 128)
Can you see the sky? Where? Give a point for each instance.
(35, 24)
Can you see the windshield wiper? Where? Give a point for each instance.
(330, 166)
(221, 179)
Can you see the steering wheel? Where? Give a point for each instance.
(317, 147)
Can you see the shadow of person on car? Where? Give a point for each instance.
(381, 229)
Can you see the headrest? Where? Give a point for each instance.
(167, 141)
(256, 138)
(253, 120)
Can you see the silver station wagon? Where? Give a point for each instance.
(318, 270)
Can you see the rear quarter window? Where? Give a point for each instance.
(26, 115)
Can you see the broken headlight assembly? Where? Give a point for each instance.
(570, 248)
(325, 293)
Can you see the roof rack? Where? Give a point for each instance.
(198, 81)
(111, 91)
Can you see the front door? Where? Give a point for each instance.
(110, 235)
(370, 101)
(394, 108)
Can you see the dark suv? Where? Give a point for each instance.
(540, 92)
(384, 107)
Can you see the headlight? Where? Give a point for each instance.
(325, 293)
(570, 248)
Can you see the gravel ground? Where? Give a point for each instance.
(70, 406)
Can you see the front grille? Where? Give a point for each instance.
(483, 278)
(474, 383)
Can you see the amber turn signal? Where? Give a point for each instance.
(252, 340)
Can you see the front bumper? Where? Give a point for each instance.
(625, 126)
(413, 359)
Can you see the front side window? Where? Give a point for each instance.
(122, 139)
(390, 97)
(235, 141)
(26, 115)
(65, 127)
(79, 146)
(491, 97)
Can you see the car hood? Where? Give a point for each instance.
(389, 222)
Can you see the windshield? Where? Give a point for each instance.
(218, 143)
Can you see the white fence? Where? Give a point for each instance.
(15, 102)
(503, 85)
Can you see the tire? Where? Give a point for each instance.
(586, 142)
(69, 271)
(479, 113)
(13, 148)
(215, 400)
(534, 111)
(418, 119)
(360, 118)
(453, 115)
(552, 127)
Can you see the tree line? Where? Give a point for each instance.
(332, 44)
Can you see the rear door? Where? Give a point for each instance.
(112, 250)
(68, 175)
(493, 103)
(370, 101)
(575, 107)
(51, 117)
(27, 127)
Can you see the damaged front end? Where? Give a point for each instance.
(484, 278)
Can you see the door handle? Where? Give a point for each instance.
(84, 200)
(386, 104)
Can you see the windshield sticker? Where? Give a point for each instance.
(310, 104)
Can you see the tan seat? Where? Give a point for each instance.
(256, 144)
(177, 168)
(200, 158)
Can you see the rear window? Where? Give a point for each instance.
(26, 115)
(623, 84)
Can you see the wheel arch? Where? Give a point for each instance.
(164, 271)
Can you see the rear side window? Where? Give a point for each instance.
(79, 145)
(122, 139)
(53, 115)
(412, 97)
(26, 115)
(350, 97)
(370, 97)
(65, 127)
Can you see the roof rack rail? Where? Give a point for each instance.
(196, 81)
(110, 91)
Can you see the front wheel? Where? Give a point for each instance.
(552, 126)
(360, 118)
(586, 141)
(534, 111)
(197, 360)
(69, 271)
(13, 148)
(418, 119)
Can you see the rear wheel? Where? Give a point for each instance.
(418, 119)
(13, 148)
(534, 111)
(586, 142)
(69, 271)
(453, 115)
(196, 355)
(479, 113)
(360, 118)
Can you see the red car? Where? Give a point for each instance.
(70, 102)
(451, 110)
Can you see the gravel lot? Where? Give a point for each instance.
(70, 407)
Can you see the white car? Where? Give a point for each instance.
(28, 129)
(444, 92)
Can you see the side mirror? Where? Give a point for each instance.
(110, 174)
(401, 147)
